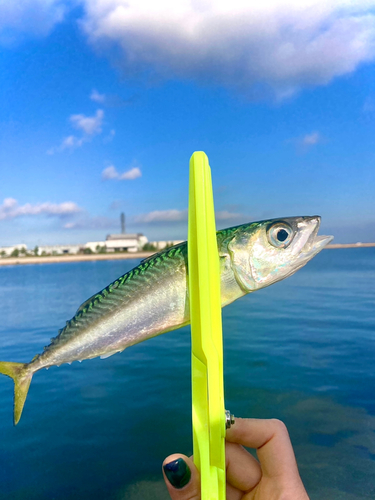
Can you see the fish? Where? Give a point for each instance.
(153, 298)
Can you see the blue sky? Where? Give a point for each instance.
(104, 101)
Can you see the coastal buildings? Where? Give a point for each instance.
(119, 242)
(128, 242)
(122, 242)
(59, 249)
(11, 250)
(160, 245)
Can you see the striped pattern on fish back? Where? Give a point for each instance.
(126, 288)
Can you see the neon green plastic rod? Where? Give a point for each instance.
(206, 331)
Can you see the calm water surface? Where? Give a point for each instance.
(302, 350)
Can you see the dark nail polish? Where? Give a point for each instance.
(178, 473)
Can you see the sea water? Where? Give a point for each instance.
(302, 350)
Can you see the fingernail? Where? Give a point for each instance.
(178, 473)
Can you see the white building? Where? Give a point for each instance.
(59, 249)
(160, 245)
(94, 246)
(7, 251)
(125, 242)
(119, 242)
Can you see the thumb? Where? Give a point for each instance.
(182, 478)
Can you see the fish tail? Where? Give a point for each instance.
(22, 378)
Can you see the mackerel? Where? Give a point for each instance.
(153, 297)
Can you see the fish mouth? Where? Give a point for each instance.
(314, 243)
(321, 241)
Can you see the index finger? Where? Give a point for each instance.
(271, 440)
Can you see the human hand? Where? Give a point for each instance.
(274, 477)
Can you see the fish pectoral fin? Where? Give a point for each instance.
(108, 354)
(22, 378)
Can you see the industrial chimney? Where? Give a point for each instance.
(122, 218)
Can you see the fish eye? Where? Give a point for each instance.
(280, 234)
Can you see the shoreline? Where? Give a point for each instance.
(57, 259)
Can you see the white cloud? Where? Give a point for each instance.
(308, 140)
(90, 125)
(131, 174)
(110, 173)
(10, 209)
(19, 18)
(285, 44)
(99, 222)
(226, 215)
(96, 97)
(311, 139)
(175, 215)
(71, 142)
(162, 216)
